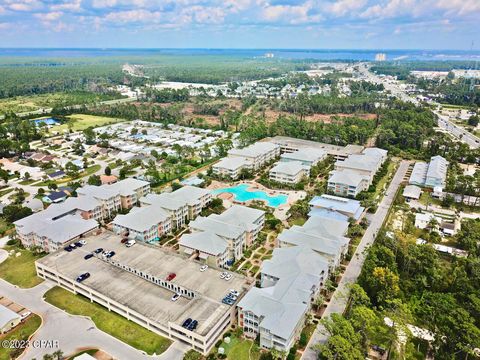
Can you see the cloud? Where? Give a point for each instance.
(23, 5)
(134, 16)
(47, 17)
(342, 7)
(291, 14)
(74, 6)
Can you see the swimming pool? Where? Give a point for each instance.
(47, 121)
(242, 194)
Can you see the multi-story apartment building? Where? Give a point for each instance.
(221, 239)
(183, 204)
(143, 223)
(276, 311)
(291, 172)
(355, 173)
(252, 157)
(257, 154)
(308, 156)
(347, 183)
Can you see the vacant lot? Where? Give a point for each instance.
(109, 322)
(21, 332)
(80, 122)
(22, 104)
(20, 270)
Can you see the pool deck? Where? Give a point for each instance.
(292, 195)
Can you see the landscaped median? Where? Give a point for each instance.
(21, 333)
(20, 270)
(109, 322)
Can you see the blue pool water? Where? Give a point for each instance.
(48, 121)
(242, 194)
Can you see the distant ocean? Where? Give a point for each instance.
(327, 54)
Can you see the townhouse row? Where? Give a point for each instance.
(292, 279)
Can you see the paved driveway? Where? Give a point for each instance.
(339, 300)
(74, 332)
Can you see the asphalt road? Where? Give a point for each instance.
(339, 299)
(467, 137)
(74, 332)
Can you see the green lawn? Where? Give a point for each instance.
(82, 121)
(21, 332)
(109, 322)
(5, 191)
(240, 349)
(20, 270)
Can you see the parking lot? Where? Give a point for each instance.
(132, 278)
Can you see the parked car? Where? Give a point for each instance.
(83, 276)
(203, 268)
(72, 245)
(78, 244)
(193, 325)
(233, 297)
(83, 242)
(110, 254)
(223, 274)
(88, 256)
(228, 277)
(234, 292)
(124, 240)
(130, 243)
(25, 315)
(175, 297)
(171, 276)
(98, 251)
(228, 301)
(187, 322)
(68, 248)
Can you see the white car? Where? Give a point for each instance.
(83, 242)
(234, 292)
(175, 297)
(130, 243)
(228, 277)
(223, 275)
(203, 268)
(25, 315)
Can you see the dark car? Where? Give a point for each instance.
(110, 254)
(98, 251)
(124, 240)
(78, 244)
(83, 276)
(88, 256)
(186, 323)
(171, 276)
(68, 248)
(193, 325)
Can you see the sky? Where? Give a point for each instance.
(305, 24)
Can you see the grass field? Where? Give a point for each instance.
(109, 322)
(240, 349)
(21, 332)
(80, 122)
(20, 270)
(21, 104)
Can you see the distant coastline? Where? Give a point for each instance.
(285, 54)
